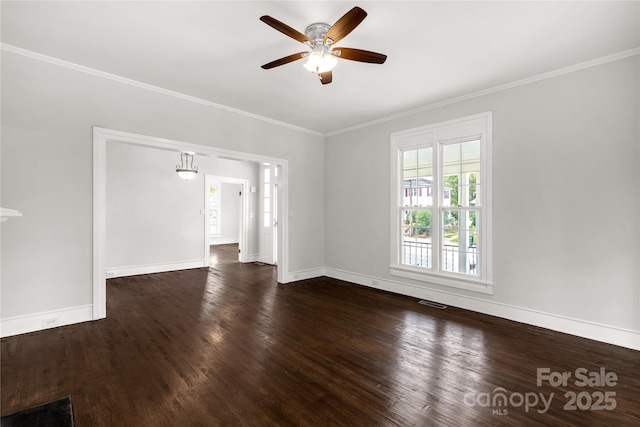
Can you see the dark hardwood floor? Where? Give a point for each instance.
(228, 346)
(223, 254)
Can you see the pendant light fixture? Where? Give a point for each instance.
(185, 169)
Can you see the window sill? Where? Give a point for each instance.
(450, 280)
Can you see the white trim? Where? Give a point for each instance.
(94, 72)
(33, 322)
(596, 331)
(555, 73)
(500, 88)
(6, 213)
(311, 273)
(99, 287)
(225, 241)
(134, 270)
(254, 258)
(453, 281)
(102, 136)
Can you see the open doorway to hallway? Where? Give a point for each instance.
(226, 218)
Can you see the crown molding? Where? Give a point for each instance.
(511, 85)
(94, 72)
(555, 73)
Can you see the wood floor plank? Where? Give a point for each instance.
(228, 346)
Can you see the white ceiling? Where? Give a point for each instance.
(213, 50)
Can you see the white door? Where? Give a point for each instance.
(269, 214)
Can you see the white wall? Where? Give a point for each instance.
(566, 205)
(152, 216)
(48, 113)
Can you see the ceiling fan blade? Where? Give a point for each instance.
(345, 25)
(360, 55)
(285, 29)
(284, 60)
(326, 77)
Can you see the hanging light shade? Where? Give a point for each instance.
(185, 169)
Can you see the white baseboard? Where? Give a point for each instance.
(134, 270)
(223, 241)
(45, 320)
(252, 258)
(295, 276)
(595, 331)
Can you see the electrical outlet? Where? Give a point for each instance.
(50, 323)
(110, 274)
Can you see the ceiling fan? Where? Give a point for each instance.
(320, 37)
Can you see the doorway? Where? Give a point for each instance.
(102, 137)
(226, 218)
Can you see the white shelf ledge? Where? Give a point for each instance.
(5, 214)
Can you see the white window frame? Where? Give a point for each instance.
(478, 126)
(209, 182)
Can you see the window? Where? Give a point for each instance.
(441, 203)
(214, 208)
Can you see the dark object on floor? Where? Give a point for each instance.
(53, 414)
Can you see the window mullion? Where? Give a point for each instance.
(436, 223)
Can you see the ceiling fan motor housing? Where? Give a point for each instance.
(317, 31)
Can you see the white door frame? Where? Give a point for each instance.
(243, 243)
(101, 137)
(268, 257)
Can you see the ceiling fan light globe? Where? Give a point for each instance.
(329, 62)
(320, 62)
(314, 61)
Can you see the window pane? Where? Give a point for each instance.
(451, 154)
(461, 172)
(409, 177)
(469, 193)
(425, 181)
(459, 242)
(424, 195)
(416, 238)
(410, 159)
(470, 151)
(425, 158)
(450, 191)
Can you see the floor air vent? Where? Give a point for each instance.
(433, 304)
